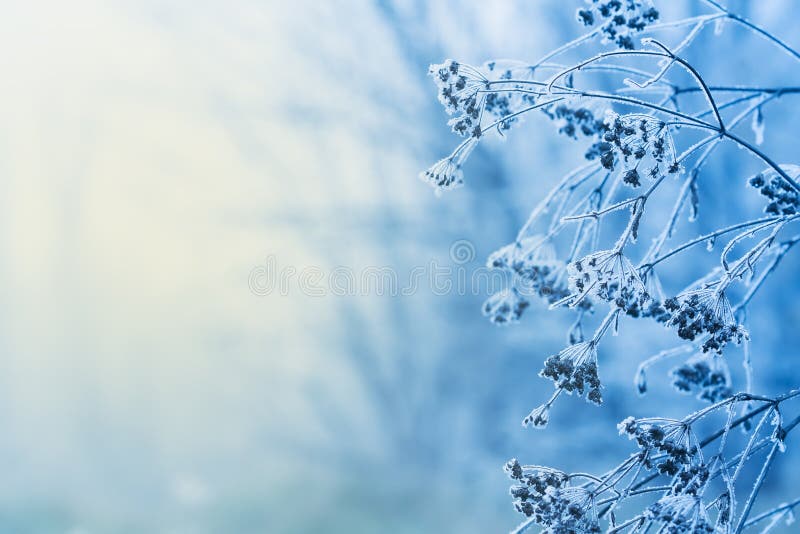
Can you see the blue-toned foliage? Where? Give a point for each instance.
(647, 122)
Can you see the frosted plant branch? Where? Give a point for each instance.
(616, 92)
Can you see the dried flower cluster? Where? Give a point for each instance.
(666, 445)
(636, 141)
(783, 199)
(574, 369)
(687, 491)
(683, 513)
(546, 496)
(705, 375)
(505, 306)
(572, 121)
(458, 92)
(707, 312)
(619, 20)
(610, 276)
(534, 271)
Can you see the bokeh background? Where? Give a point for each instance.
(153, 153)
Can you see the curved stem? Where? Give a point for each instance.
(766, 159)
(783, 249)
(742, 89)
(666, 54)
(744, 22)
(770, 513)
(706, 237)
(696, 75)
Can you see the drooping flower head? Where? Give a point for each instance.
(505, 306)
(643, 145)
(578, 117)
(669, 445)
(515, 256)
(534, 267)
(681, 514)
(574, 369)
(539, 417)
(545, 495)
(654, 307)
(705, 311)
(458, 86)
(706, 375)
(609, 276)
(446, 174)
(619, 20)
(783, 199)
